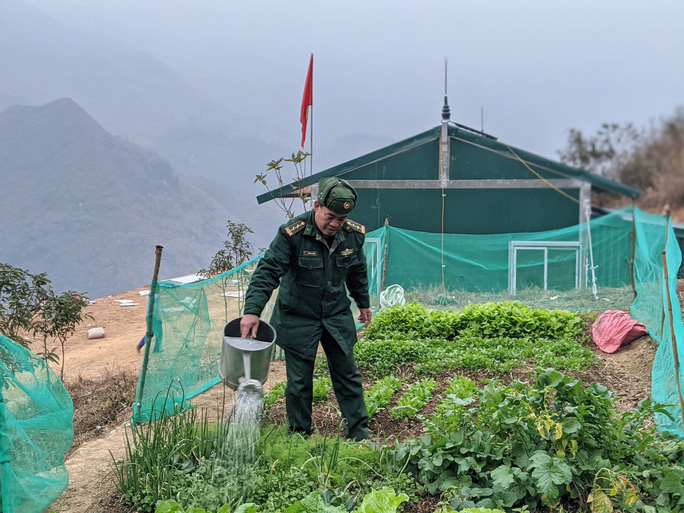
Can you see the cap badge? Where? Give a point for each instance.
(346, 205)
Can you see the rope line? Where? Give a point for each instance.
(443, 280)
(539, 176)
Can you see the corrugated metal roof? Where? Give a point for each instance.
(552, 166)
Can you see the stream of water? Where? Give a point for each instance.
(245, 422)
(237, 457)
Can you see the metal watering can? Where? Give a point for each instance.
(245, 362)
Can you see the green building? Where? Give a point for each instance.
(453, 179)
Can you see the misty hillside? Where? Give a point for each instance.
(133, 95)
(88, 208)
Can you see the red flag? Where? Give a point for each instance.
(307, 100)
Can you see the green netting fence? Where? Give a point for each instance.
(36, 430)
(613, 262)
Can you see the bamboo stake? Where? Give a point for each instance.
(149, 333)
(673, 338)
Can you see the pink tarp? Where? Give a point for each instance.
(614, 329)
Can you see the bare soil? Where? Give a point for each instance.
(101, 375)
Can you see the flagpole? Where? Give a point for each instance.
(306, 114)
(311, 138)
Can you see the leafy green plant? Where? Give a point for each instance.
(215, 482)
(541, 443)
(416, 396)
(29, 306)
(345, 468)
(506, 319)
(494, 336)
(445, 507)
(282, 486)
(21, 297)
(321, 389)
(236, 251)
(380, 394)
(171, 506)
(284, 198)
(452, 408)
(444, 299)
(413, 321)
(384, 500)
(275, 394)
(58, 318)
(499, 355)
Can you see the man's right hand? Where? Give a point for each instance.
(249, 325)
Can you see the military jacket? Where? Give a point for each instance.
(313, 281)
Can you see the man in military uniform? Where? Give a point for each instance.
(312, 259)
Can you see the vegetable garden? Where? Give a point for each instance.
(478, 409)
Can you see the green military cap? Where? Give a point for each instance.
(336, 194)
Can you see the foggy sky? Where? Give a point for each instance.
(525, 71)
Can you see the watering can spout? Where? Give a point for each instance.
(245, 362)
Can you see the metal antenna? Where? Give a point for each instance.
(446, 112)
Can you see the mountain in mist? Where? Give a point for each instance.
(133, 95)
(88, 208)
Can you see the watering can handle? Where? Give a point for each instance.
(249, 324)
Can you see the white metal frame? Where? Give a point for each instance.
(544, 246)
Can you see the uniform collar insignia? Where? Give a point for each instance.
(294, 227)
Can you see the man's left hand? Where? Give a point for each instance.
(365, 316)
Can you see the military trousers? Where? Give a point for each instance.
(346, 381)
